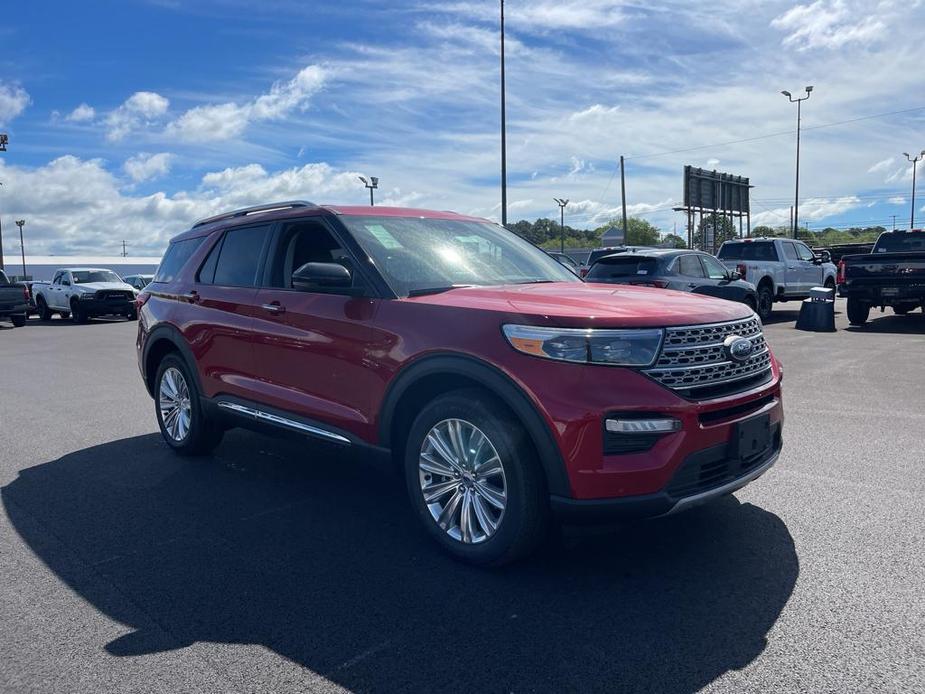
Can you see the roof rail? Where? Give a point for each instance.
(244, 211)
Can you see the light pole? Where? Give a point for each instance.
(796, 196)
(561, 203)
(503, 131)
(20, 223)
(372, 184)
(4, 141)
(914, 161)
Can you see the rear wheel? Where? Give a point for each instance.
(858, 311)
(18, 321)
(765, 301)
(902, 310)
(44, 311)
(829, 283)
(751, 303)
(184, 423)
(474, 480)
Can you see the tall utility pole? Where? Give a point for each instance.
(561, 203)
(796, 196)
(503, 131)
(124, 254)
(623, 201)
(372, 184)
(914, 160)
(4, 140)
(894, 222)
(20, 223)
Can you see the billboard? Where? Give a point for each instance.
(714, 190)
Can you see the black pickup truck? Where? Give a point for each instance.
(893, 274)
(14, 301)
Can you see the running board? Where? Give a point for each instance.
(262, 416)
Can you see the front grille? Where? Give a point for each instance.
(693, 361)
(716, 466)
(112, 296)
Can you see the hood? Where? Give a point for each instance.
(111, 286)
(578, 304)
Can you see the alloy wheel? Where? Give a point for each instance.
(462, 480)
(174, 404)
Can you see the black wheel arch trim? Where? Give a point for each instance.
(174, 336)
(499, 384)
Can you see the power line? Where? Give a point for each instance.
(777, 134)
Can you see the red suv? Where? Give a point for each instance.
(506, 389)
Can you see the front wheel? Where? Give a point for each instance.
(474, 480)
(44, 311)
(184, 424)
(765, 302)
(858, 311)
(18, 321)
(77, 314)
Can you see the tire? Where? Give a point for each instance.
(44, 311)
(902, 310)
(750, 302)
(174, 386)
(858, 311)
(77, 315)
(765, 302)
(495, 536)
(829, 283)
(132, 315)
(18, 321)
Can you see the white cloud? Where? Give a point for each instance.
(13, 101)
(216, 122)
(543, 15)
(897, 200)
(145, 166)
(882, 165)
(73, 204)
(140, 110)
(82, 114)
(828, 24)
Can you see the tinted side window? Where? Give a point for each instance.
(790, 253)
(240, 256)
(715, 269)
(3, 279)
(306, 242)
(206, 274)
(689, 265)
(175, 258)
(805, 253)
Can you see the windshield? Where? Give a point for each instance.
(88, 276)
(622, 266)
(417, 254)
(900, 242)
(762, 250)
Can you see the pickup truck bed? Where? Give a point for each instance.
(893, 275)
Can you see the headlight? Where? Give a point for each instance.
(598, 346)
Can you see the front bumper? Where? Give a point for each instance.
(106, 307)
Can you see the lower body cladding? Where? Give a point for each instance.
(106, 307)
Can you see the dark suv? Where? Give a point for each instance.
(504, 387)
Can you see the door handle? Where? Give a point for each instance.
(692, 285)
(274, 308)
(192, 297)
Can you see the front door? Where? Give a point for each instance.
(312, 347)
(795, 276)
(811, 271)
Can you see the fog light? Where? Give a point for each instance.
(643, 426)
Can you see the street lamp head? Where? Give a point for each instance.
(20, 222)
(809, 89)
(374, 180)
(363, 180)
(906, 155)
(786, 93)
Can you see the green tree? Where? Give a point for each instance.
(639, 232)
(674, 241)
(722, 229)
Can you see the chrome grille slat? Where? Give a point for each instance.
(693, 358)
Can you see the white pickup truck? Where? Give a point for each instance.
(82, 293)
(780, 269)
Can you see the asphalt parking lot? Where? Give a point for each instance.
(282, 566)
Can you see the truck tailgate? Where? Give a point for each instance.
(895, 268)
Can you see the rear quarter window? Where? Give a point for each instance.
(611, 268)
(178, 253)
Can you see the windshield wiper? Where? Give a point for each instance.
(424, 291)
(536, 282)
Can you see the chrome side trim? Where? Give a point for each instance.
(727, 488)
(283, 421)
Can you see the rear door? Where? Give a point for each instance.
(794, 274)
(692, 275)
(222, 299)
(312, 347)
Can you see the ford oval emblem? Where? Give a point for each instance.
(738, 348)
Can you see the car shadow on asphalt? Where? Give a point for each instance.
(911, 324)
(313, 552)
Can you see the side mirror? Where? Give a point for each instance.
(733, 276)
(314, 276)
(826, 257)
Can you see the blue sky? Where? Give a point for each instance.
(131, 119)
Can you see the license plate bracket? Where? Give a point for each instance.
(752, 437)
